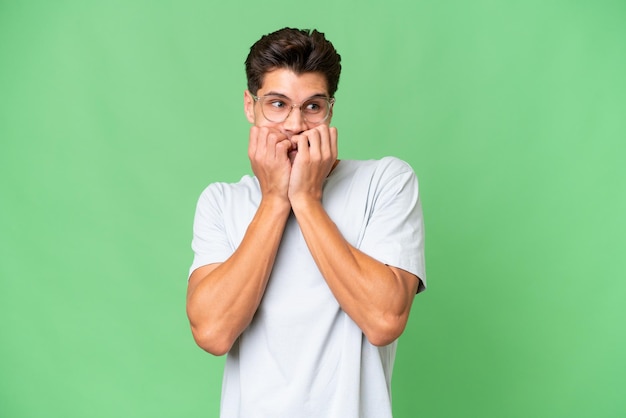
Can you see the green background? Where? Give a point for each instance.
(114, 115)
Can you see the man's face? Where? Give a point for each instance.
(296, 89)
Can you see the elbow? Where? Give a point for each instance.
(212, 341)
(211, 335)
(386, 330)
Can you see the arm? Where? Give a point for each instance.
(222, 298)
(376, 296)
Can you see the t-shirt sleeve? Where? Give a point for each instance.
(395, 230)
(210, 241)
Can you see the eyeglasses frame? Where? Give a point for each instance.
(330, 100)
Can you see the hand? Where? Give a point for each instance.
(315, 158)
(268, 152)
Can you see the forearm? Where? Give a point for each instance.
(377, 297)
(221, 301)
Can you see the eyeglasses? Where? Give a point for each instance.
(276, 108)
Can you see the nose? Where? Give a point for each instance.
(294, 123)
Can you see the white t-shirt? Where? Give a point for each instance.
(302, 356)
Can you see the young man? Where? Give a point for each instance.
(305, 273)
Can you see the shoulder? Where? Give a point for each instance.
(225, 197)
(246, 185)
(394, 166)
(385, 168)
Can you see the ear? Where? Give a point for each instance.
(248, 106)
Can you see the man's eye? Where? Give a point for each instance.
(313, 107)
(277, 104)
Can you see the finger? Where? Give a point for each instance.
(315, 143)
(325, 148)
(261, 143)
(273, 139)
(302, 142)
(253, 142)
(283, 147)
(333, 142)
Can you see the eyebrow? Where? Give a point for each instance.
(282, 96)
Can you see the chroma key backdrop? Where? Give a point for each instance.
(114, 115)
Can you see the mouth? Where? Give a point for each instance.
(292, 153)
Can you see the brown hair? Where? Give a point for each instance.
(299, 50)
